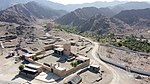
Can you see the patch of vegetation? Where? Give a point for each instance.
(71, 29)
(130, 42)
(136, 45)
(74, 64)
(21, 67)
(6, 33)
(68, 29)
(35, 58)
(133, 44)
(35, 49)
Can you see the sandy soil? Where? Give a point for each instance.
(9, 70)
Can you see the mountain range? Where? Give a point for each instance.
(78, 16)
(114, 5)
(134, 16)
(100, 19)
(91, 19)
(130, 6)
(70, 7)
(101, 25)
(27, 13)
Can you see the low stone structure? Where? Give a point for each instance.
(1, 45)
(55, 68)
(31, 70)
(94, 68)
(74, 80)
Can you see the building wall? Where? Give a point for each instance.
(67, 49)
(49, 47)
(34, 62)
(74, 69)
(60, 73)
(29, 75)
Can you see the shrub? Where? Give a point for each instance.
(35, 49)
(6, 33)
(21, 67)
(35, 58)
(119, 44)
(74, 64)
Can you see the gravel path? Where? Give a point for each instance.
(119, 76)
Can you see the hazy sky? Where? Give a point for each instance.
(87, 1)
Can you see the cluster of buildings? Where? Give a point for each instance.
(60, 51)
(62, 61)
(31, 70)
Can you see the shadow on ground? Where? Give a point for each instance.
(23, 77)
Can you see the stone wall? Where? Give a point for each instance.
(60, 73)
(80, 66)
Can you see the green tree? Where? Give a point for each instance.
(74, 64)
(21, 67)
(35, 58)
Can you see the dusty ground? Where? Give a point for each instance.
(85, 52)
(126, 58)
(130, 59)
(9, 70)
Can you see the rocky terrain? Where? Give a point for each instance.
(28, 27)
(116, 6)
(134, 17)
(83, 18)
(4, 4)
(28, 13)
(70, 7)
(127, 58)
(127, 22)
(78, 16)
(132, 60)
(101, 24)
(130, 6)
(81, 15)
(33, 39)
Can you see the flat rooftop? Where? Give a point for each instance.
(33, 66)
(56, 59)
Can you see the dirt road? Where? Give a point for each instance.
(116, 76)
(119, 76)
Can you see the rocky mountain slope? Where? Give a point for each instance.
(79, 16)
(135, 17)
(97, 4)
(27, 13)
(91, 19)
(116, 6)
(130, 6)
(107, 12)
(4, 4)
(70, 7)
(101, 24)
